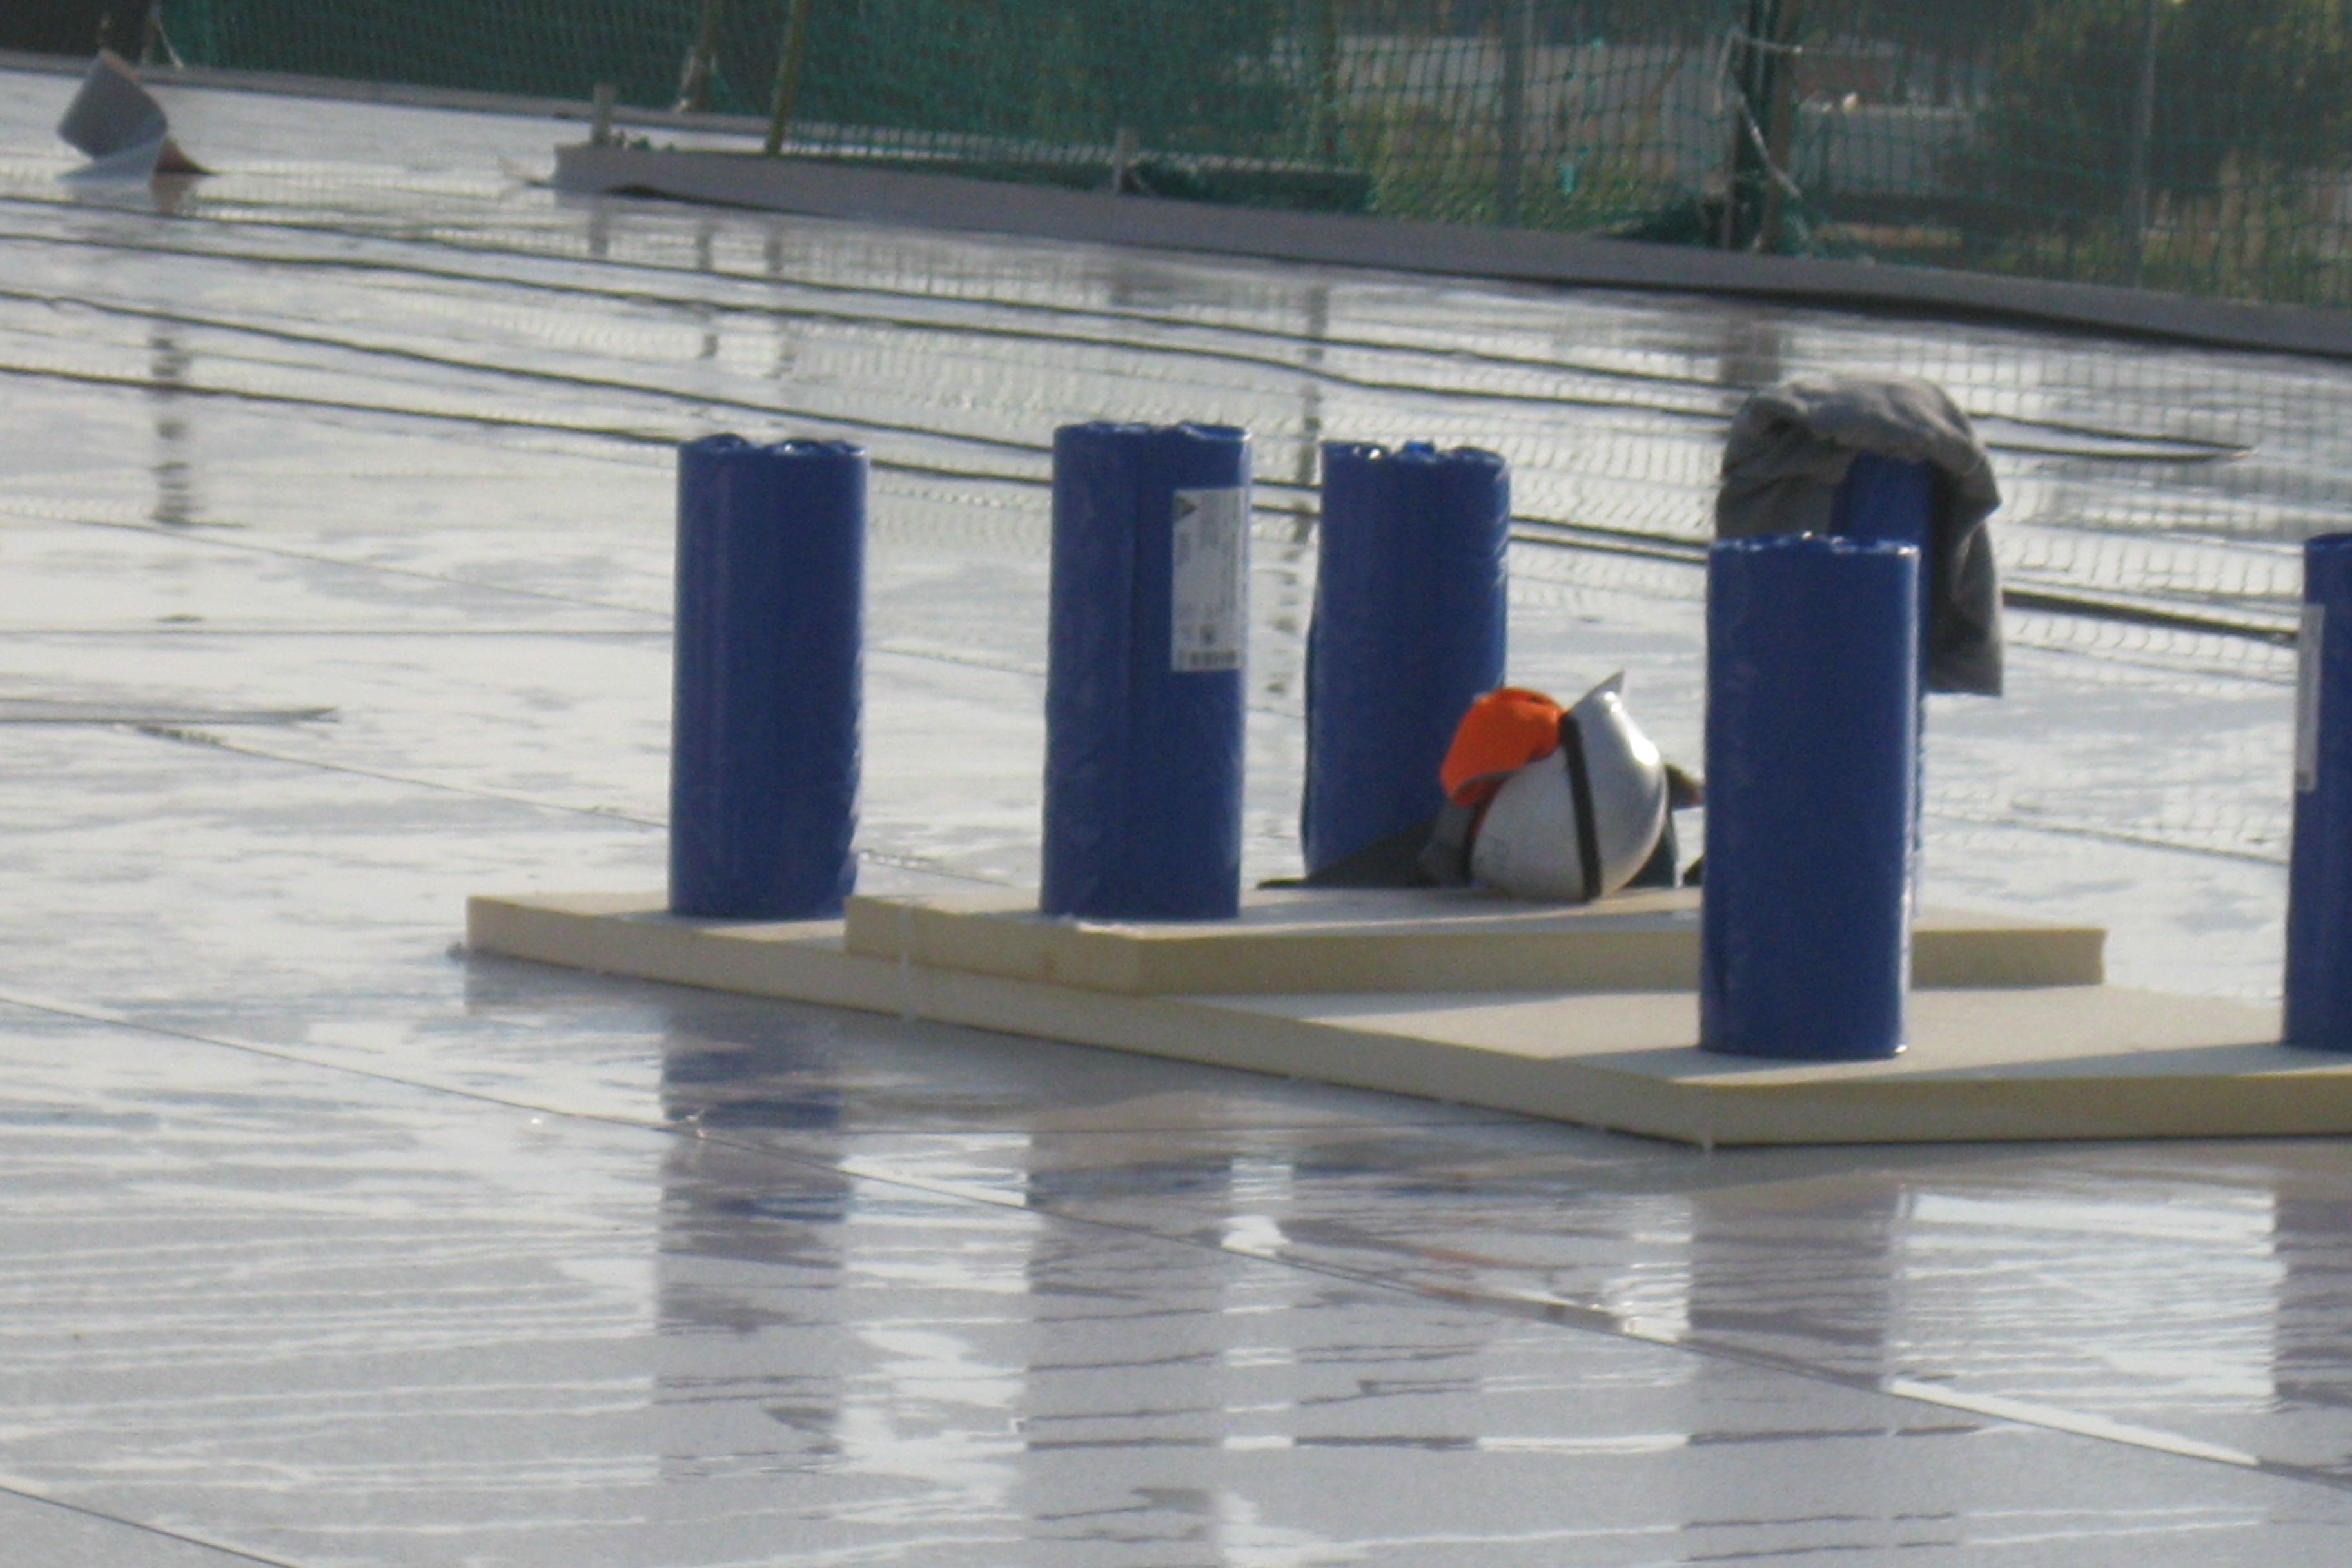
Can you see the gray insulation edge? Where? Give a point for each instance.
(951, 202)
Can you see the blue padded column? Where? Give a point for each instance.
(1409, 627)
(2319, 887)
(764, 737)
(1887, 498)
(1811, 777)
(1144, 698)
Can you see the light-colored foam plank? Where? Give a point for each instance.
(2047, 1062)
(1407, 940)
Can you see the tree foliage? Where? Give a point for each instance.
(2251, 89)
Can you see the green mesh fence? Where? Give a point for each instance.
(2199, 145)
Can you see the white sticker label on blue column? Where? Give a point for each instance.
(2307, 697)
(1208, 625)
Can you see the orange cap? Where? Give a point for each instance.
(1504, 732)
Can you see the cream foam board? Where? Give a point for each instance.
(1438, 939)
(1998, 1063)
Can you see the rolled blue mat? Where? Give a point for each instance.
(1408, 626)
(1144, 698)
(1812, 711)
(2319, 885)
(1887, 498)
(764, 722)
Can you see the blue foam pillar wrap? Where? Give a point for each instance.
(1409, 627)
(1888, 498)
(764, 721)
(1144, 697)
(1812, 712)
(2319, 885)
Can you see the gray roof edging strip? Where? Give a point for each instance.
(952, 202)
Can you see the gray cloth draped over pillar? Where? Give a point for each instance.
(1789, 450)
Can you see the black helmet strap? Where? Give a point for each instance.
(1579, 790)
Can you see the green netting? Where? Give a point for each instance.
(2201, 146)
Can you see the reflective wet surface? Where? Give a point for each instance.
(335, 539)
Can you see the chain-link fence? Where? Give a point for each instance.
(2199, 145)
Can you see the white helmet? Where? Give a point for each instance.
(1580, 822)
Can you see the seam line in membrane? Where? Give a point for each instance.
(1722, 397)
(41, 1496)
(198, 737)
(1715, 415)
(195, 736)
(1526, 1305)
(1663, 549)
(2207, 448)
(2183, 449)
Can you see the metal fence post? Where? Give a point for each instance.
(1517, 24)
(788, 75)
(2141, 176)
(702, 59)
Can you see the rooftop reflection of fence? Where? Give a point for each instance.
(2201, 146)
